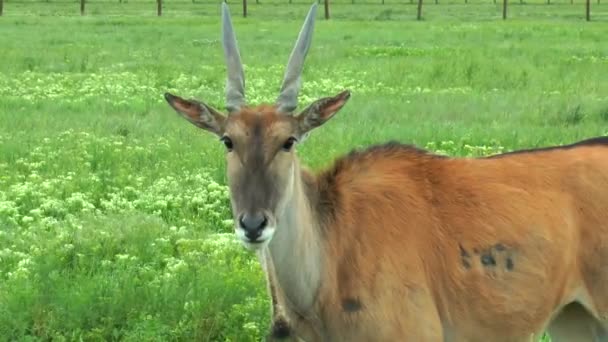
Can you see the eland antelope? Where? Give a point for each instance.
(394, 243)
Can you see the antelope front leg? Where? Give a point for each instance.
(280, 328)
(284, 330)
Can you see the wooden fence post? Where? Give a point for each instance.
(159, 7)
(588, 9)
(244, 8)
(81, 7)
(419, 12)
(504, 9)
(326, 9)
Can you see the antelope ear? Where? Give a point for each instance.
(320, 111)
(198, 113)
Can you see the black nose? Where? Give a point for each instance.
(253, 224)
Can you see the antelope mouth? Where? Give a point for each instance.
(257, 243)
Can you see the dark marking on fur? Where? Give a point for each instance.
(498, 253)
(351, 305)
(500, 247)
(465, 257)
(280, 329)
(487, 259)
(463, 252)
(509, 264)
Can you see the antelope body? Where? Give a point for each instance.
(394, 243)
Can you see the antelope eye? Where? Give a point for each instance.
(227, 142)
(289, 143)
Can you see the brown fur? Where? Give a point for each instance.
(419, 247)
(400, 221)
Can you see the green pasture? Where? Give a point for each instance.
(114, 217)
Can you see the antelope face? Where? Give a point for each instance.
(260, 141)
(260, 157)
(260, 160)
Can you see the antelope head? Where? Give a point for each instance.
(261, 165)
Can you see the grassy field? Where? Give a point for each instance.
(113, 210)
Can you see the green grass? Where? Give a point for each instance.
(114, 215)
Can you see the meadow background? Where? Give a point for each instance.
(114, 217)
